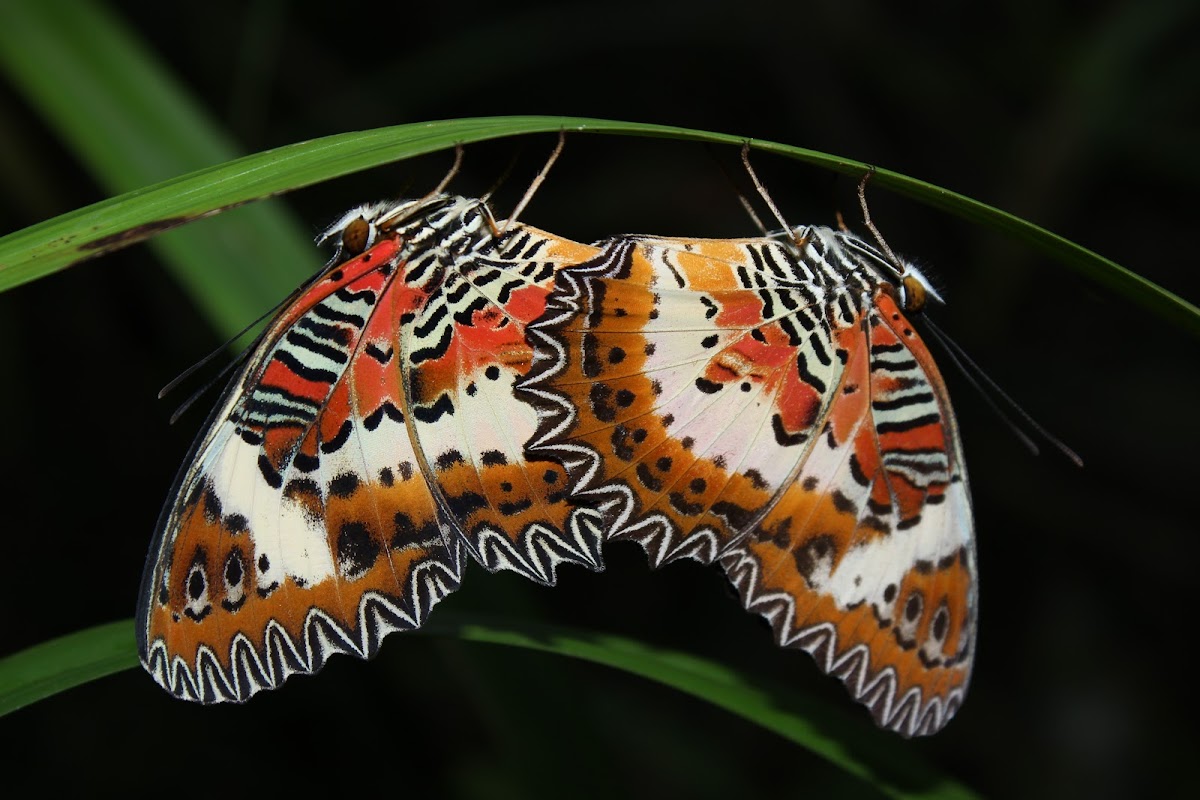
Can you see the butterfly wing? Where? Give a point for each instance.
(463, 351)
(729, 401)
(301, 527)
(312, 518)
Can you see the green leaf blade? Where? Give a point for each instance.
(57, 243)
(60, 664)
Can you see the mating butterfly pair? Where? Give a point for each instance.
(460, 388)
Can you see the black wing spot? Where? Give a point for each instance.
(430, 414)
(736, 516)
(269, 473)
(357, 550)
(815, 550)
(590, 366)
(493, 458)
(647, 478)
(515, 507)
(681, 504)
(382, 356)
(620, 445)
(234, 570)
(465, 504)
(599, 397)
(342, 436)
(196, 582)
(344, 485)
(912, 609)
(782, 437)
(856, 471)
(449, 459)
(756, 479)
(212, 504)
(305, 462)
(297, 487)
(842, 503)
(941, 622)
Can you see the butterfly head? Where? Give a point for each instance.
(909, 286)
(362, 227)
(356, 230)
(915, 290)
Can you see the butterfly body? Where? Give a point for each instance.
(768, 407)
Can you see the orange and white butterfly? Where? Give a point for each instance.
(759, 403)
(371, 441)
(765, 404)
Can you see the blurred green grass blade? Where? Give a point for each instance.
(876, 756)
(872, 755)
(80, 234)
(121, 113)
(51, 667)
(117, 222)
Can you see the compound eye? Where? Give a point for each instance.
(356, 236)
(914, 294)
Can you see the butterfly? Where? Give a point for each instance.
(765, 404)
(447, 387)
(370, 444)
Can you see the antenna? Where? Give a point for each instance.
(458, 159)
(866, 212)
(799, 241)
(181, 377)
(537, 182)
(975, 375)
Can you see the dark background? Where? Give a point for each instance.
(1082, 118)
